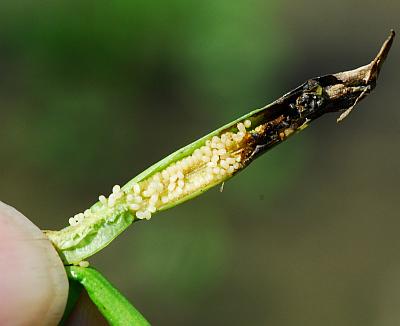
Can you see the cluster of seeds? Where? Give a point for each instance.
(208, 165)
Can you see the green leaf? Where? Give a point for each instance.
(111, 303)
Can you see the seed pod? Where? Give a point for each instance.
(214, 158)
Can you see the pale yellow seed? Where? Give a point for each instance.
(79, 217)
(153, 199)
(197, 154)
(215, 158)
(222, 151)
(206, 150)
(136, 188)
(148, 192)
(140, 215)
(160, 187)
(208, 178)
(224, 164)
(165, 174)
(205, 158)
(134, 207)
(84, 263)
(220, 146)
(241, 127)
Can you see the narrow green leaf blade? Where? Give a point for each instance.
(112, 304)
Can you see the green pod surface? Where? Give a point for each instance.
(213, 159)
(111, 303)
(78, 242)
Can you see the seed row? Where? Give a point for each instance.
(217, 159)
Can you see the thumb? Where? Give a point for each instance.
(33, 283)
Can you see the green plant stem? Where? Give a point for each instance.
(111, 303)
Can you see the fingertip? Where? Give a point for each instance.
(33, 283)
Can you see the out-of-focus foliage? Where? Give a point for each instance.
(86, 80)
(91, 93)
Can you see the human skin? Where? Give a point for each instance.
(33, 282)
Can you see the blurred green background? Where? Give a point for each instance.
(92, 93)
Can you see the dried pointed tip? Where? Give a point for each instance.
(380, 58)
(366, 76)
